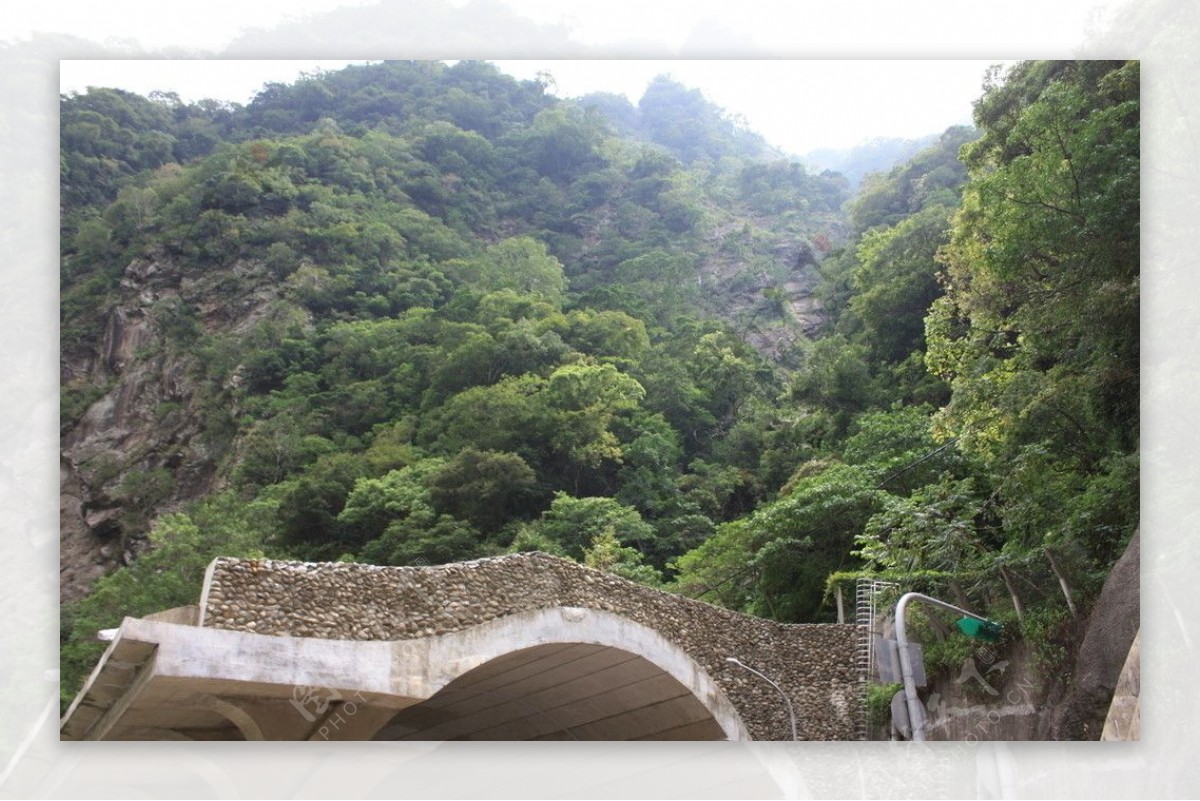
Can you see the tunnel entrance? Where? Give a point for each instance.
(559, 691)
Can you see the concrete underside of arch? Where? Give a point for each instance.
(556, 673)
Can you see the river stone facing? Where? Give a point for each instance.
(813, 663)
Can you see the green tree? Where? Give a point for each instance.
(278, 447)
(608, 554)
(729, 372)
(899, 445)
(896, 281)
(582, 401)
(373, 504)
(836, 377)
(932, 177)
(608, 336)
(522, 264)
(141, 493)
(108, 135)
(486, 488)
(575, 523)
(932, 529)
(170, 574)
(562, 143)
(423, 538)
(507, 416)
(310, 506)
(1043, 266)
(774, 562)
(1038, 331)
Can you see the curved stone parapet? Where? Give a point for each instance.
(519, 601)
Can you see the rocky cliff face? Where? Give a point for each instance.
(772, 305)
(1002, 695)
(995, 695)
(139, 448)
(1111, 630)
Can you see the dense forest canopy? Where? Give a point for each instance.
(410, 313)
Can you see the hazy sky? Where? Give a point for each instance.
(796, 105)
(916, 27)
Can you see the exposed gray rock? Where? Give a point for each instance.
(1113, 624)
(146, 417)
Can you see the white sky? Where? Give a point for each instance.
(917, 27)
(799, 105)
(796, 105)
(193, 79)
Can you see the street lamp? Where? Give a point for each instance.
(786, 700)
(979, 627)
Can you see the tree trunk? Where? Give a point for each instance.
(1062, 582)
(939, 628)
(1013, 593)
(960, 597)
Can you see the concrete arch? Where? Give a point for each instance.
(239, 717)
(337, 650)
(555, 672)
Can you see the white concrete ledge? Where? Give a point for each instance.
(192, 665)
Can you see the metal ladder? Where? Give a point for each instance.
(865, 619)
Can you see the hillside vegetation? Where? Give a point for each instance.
(411, 313)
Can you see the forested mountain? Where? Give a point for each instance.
(682, 121)
(873, 156)
(409, 313)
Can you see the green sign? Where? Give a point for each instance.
(984, 630)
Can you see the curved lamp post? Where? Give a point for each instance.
(786, 700)
(916, 715)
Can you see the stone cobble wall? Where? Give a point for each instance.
(814, 663)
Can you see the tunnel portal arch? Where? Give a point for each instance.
(342, 650)
(566, 673)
